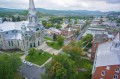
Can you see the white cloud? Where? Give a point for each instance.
(102, 5)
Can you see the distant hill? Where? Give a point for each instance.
(58, 12)
(69, 12)
(10, 10)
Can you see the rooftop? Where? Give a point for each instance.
(108, 53)
(8, 26)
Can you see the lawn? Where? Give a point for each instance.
(38, 59)
(47, 38)
(54, 45)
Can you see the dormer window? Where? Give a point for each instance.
(103, 73)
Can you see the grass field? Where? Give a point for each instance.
(54, 45)
(39, 59)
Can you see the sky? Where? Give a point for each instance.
(92, 5)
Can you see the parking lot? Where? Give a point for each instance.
(31, 72)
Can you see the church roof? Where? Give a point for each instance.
(8, 26)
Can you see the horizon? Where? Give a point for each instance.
(57, 9)
(99, 5)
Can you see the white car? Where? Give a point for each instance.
(29, 64)
(24, 62)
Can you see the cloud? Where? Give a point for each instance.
(102, 5)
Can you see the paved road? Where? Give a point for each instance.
(33, 72)
(81, 33)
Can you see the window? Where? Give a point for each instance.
(38, 43)
(103, 73)
(6, 32)
(13, 31)
(9, 43)
(37, 29)
(12, 43)
(27, 43)
(115, 76)
(117, 70)
(18, 43)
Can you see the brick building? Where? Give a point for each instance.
(107, 60)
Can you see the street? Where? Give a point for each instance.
(81, 33)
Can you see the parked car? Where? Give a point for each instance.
(24, 62)
(29, 64)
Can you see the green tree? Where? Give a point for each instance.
(73, 50)
(32, 51)
(48, 25)
(60, 40)
(9, 65)
(44, 23)
(77, 32)
(18, 18)
(54, 37)
(61, 67)
(58, 26)
(76, 21)
(13, 19)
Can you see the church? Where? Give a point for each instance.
(22, 35)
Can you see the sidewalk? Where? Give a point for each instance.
(48, 49)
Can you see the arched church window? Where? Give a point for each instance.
(37, 29)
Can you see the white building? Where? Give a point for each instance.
(22, 35)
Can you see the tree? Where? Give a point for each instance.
(77, 32)
(48, 25)
(76, 21)
(118, 21)
(32, 51)
(60, 40)
(58, 26)
(44, 23)
(18, 18)
(54, 37)
(13, 19)
(87, 22)
(9, 65)
(56, 70)
(61, 67)
(73, 50)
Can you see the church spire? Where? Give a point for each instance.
(31, 4)
(32, 14)
(32, 9)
